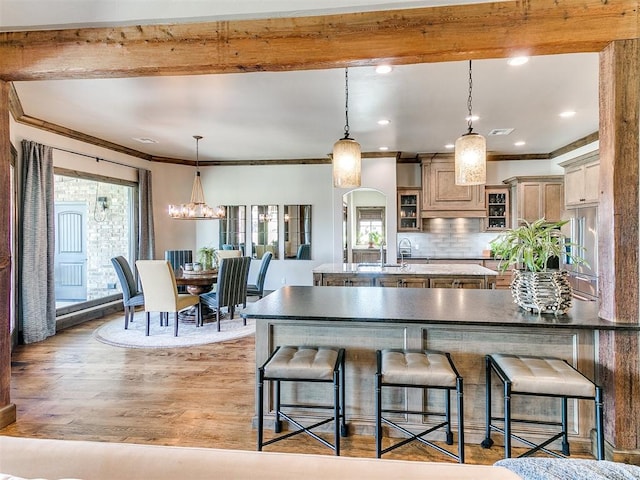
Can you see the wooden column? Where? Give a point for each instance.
(619, 372)
(7, 409)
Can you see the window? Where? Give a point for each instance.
(370, 221)
(93, 223)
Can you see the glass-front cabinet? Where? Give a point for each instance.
(409, 210)
(497, 201)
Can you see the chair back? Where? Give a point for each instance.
(125, 276)
(221, 254)
(304, 252)
(177, 258)
(262, 273)
(227, 246)
(231, 289)
(159, 284)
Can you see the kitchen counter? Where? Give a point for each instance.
(469, 324)
(413, 275)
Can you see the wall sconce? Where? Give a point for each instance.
(103, 203)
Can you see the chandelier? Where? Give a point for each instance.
(197, 208)
(470, 151)
(346, 157)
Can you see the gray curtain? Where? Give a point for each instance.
(146, 237)
(36, 284)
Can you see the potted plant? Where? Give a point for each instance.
(206, 256)
(529, 248)
(374, 239)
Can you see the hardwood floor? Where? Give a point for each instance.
(73, 387)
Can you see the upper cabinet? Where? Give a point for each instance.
(409, 210)
(441, 197)
(497, 201)
(581, 180)
(535, 197)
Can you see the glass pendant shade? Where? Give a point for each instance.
(470, 159)
(346, 163)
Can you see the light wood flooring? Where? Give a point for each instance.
(73, 387)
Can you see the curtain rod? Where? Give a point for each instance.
(97, 159)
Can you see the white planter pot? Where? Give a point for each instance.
(542, 292)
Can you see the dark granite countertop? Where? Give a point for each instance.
(419, 305)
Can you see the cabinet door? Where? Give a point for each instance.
(530, 205)
(592, 182)
(456, 282)
(552, 201)
(574, 185)
(409, 210)
(441, 194)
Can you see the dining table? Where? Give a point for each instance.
(197, 283)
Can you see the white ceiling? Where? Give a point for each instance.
(297, 115)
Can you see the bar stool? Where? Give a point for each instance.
(539, 376)
(419, 369)
(304, 364)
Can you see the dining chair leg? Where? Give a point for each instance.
(175, 321)
(148, 324)
(218, 317)
(126, 318)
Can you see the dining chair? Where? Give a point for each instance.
(231, 289)
(257, 289)
(304, 252)
(220, 254)
(177, 258)
(132, 297)
(161, 293)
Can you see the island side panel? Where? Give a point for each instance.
(468, 345)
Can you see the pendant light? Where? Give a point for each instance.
(197, 208)
(346, 159)
(470, 151)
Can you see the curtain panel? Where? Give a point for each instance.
(36, 232)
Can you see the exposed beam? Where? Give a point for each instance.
(489, 30)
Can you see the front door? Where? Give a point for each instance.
(71, 256)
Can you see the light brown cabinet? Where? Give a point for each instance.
(409, 206)
(498, 211)
(441, 197)
(535, 197)
(344, 281)
(582, 180)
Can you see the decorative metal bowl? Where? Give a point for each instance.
(542, 292)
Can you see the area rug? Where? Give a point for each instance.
(113, 333)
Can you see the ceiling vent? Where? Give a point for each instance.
(500, 131)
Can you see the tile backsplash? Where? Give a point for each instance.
(449, 237)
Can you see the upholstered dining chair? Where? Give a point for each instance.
(304, 252)
(257, 289)
(231, 289)
(132, 297)
(177, 258)
(161, 294)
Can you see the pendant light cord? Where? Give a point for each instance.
(198, 138)
(346, 103)
(470, 121)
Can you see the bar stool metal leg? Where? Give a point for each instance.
(460, 393)
(565, 435)
(599, 425)
(487, 442)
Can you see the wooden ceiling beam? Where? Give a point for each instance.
(433, 34)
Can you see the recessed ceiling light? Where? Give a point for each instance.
(144, 140)
(567, 114)
(520, 143)
(517, 61)
(384, 149)
(384, 121)
(473, 118)
(383, 69)
(449, 146)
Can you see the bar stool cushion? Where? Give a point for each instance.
(308, 363)
(417, 368)
(544, 376)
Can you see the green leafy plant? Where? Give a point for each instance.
(532, 245)
(206, 256)
(375, 238)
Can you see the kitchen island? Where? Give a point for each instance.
(467, 323)
(408, 275)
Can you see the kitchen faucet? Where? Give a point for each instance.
(404, 244)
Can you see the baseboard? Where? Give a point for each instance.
(7, 415)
